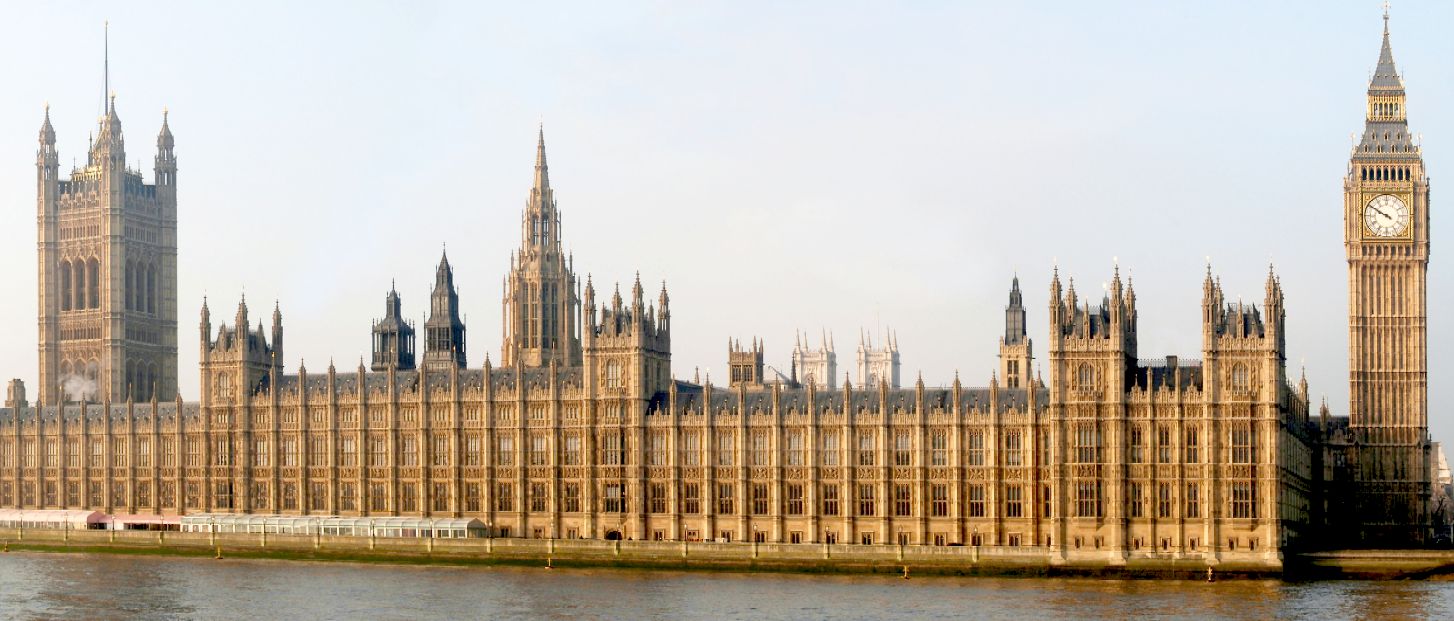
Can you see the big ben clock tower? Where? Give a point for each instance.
(1386, 234)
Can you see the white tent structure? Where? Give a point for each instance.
(53, 518)
(406, 527)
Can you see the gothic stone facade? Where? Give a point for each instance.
(583, 432)
(108, 271)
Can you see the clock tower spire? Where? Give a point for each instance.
(1386, 236)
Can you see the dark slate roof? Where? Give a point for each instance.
(1387, 140)
(1182, 373)
(1385, 76)
(689, 399)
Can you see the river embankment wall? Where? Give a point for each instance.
(1026, 561)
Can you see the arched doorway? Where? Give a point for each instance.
(613, 535)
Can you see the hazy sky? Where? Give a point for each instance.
(782, 166)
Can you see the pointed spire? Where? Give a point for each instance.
(444, 275)
(1385, 76)
(47, 133)
(106, 61)
(637, 300)
(542, 174)
(164, 138)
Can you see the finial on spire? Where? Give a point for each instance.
(106, 63)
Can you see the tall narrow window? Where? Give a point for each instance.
(656, 450)
(939, 447)
(572, 454)
(903, 500)
(759, 453)
(1163, 444)
(1240, 378)
(903, 449)
(1138, 444)
(1244, 499)
(691, 498)
(1193, 455)
(1087, 443)
(976, 497)
(151, 289)
(1014, 501)
(613, 374)
(691, 448)
(939, 500)
(865, 448)
(795, 498)
(726, 448)
(794, 452)
(726, 499)
(409, 451)
(439, 454)
(505, 453)
(866, 506)
(658, 497)
(67, 292)
(504, 497)
(974, 448)
(1244, 441)
(570, 497)
(830, 499)
(1014, 455)
(829, 455)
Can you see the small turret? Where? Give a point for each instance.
(637, 302)
(444, 331)
(47, 133)
(277, 330)
(166, 159)
(393, 337)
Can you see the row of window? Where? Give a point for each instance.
(1086, 447)
(1016, 501)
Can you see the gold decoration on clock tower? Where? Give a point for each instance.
(1386, 233)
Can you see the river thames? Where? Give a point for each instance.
(79, 586)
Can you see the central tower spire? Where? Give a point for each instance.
(541, 305)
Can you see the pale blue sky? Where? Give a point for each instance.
(781, 165)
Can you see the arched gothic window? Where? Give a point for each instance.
(613, 374)
(66, 286)
(1085, 376)
(78, 285)
(1240, 377)
(151, 289)
(93, 283)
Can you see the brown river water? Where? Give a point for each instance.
(80, 586)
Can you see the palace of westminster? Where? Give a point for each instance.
(582, 431)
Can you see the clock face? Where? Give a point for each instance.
(1386, 216)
